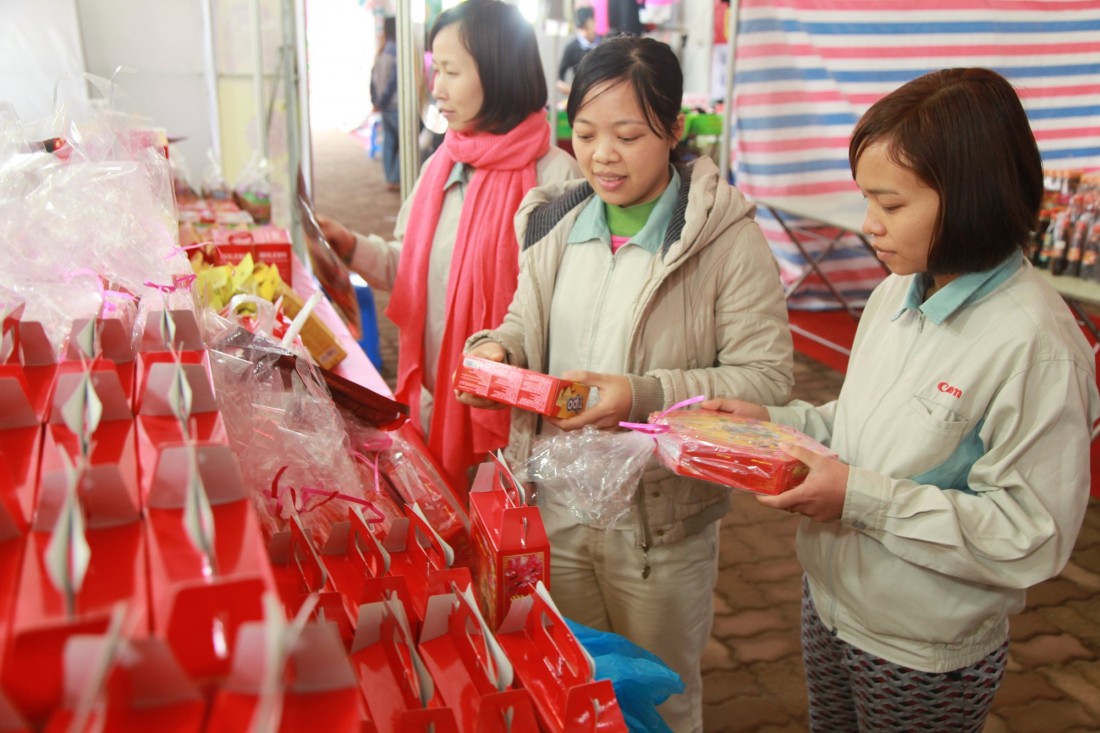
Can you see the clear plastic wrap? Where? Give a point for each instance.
(87, 207)
(287, 433)
(598, 471)
(737, 452)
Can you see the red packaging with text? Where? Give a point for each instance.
(520, 388)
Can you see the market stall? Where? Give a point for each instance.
(803, 71)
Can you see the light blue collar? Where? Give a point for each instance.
(959, 292)
(591, 223)
(460, 173)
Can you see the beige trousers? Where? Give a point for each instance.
(596, 580)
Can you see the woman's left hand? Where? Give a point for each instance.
(821, 496)
(616, 399)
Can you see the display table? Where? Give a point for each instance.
(1077, 293)
(804, 217)
(356, 366)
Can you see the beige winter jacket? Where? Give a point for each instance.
(712, 321)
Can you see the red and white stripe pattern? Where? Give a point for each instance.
(807, 69)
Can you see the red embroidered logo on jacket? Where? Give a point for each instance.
(948, 389)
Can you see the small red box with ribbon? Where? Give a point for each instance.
(511, 550)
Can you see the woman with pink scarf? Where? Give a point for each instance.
(454, 262)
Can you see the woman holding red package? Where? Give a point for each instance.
(962, 428)
(453, 265)
(652, 283)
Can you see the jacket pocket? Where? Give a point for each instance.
(936, 417)
(934, 435)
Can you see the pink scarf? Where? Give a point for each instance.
(484, 271)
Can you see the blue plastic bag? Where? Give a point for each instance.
(641, 680)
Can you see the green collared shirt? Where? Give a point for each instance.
(592, 221)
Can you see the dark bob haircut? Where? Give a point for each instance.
(506, 52)
(648, 66)
(964, 133)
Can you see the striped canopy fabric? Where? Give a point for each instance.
(806, 70)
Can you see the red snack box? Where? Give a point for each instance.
(737, 452)
(520, 388)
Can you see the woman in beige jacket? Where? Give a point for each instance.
(653, 284)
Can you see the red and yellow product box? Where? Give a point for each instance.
(737, 452)
(511, 550)
(520, 387)
(267, 244)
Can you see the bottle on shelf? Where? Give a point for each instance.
(1054, 242)
(1083, 212)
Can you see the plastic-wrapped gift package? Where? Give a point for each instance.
(733, 451)
(511, 550)
(558, 672)
(473, 675)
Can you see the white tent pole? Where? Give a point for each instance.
(731, 48)
(408, 102)
(258, 77)
(210, 75)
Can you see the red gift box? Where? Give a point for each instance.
(105, 340)
(109, 491)
(555, 668)
(511, 550)
(472, 674)
(359, 567)
(42, 621)
(318, 690)
(400, 693)
(157, 370)
(27, 374)
(171, 330)
(734, 451)
(267, 244)
(138, 687)
(109, 486)
(300, 574)
(200, 601)
(424, 558)
(20, 453)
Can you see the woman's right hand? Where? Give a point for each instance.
(737, 407)
(339, 237)
(492, 351)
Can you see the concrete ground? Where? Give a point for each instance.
(752, 668)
